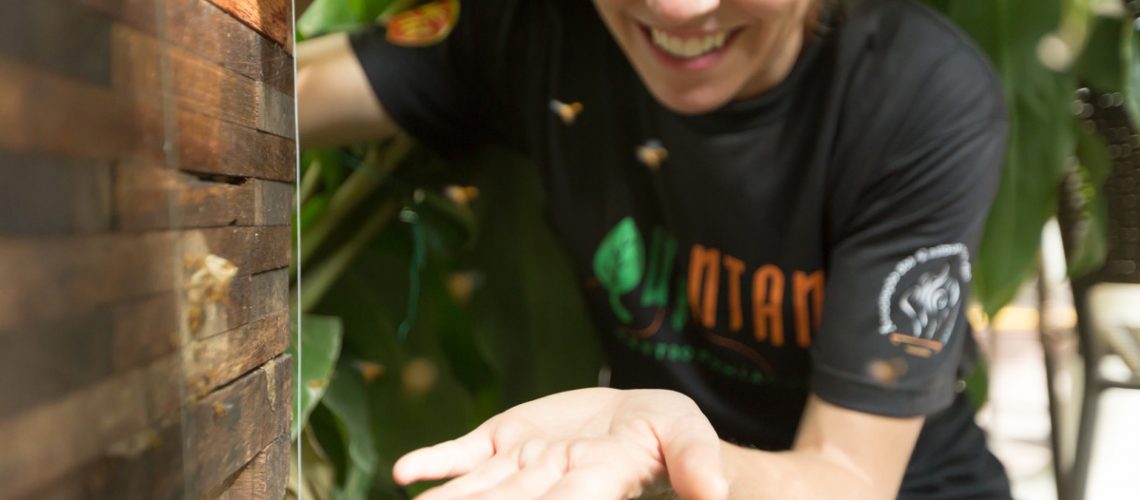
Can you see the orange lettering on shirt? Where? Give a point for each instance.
(768, 304)
(704, 268)
(808, 297)
(735, 268)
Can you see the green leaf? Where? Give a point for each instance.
(1130, 58)
(529, 313)
(619, 263)
(371, 303)
(320, 348)
(327, 16)
(1041, 138)
(1091, 247)
(1102, 64)
(333, 169)
(347, 400)
(313, 208)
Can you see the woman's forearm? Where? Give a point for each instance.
(756, 474)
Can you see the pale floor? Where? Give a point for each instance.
(1017, 415)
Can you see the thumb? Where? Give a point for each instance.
(691, 449)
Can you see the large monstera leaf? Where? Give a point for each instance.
(1041, 137)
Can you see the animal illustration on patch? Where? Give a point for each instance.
(922, 297)
(932, 305)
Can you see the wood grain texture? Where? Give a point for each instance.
(61, 275)
(228, 428)
(47, 361)
(103, 419)
(144, 329)
(209, 32)
(157, 198)
(263, 478)
(138, 14)
(210, 146)
(50, 195)
(228, 42)
(250, 298)
(141, 137)
(218, 360)
(147, 464)
(42, 112)
(198, 85)
(57, 36)
(272, 18)
(253, 250)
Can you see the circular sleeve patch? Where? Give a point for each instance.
(427, 24)
(921, 298)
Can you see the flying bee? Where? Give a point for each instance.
(369, 370)
(652, 153)
(567, 112)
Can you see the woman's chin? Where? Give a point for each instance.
(691, 101)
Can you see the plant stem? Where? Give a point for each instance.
(377, 165)
(309, 181)
(320, 278)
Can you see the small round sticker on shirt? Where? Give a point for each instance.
(920, 301)
(425, 25)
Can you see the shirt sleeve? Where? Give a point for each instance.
(441, 92)
(894, 318)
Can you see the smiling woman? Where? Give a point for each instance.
(715, 169)
(696, 56)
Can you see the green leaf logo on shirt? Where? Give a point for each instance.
(619, 264)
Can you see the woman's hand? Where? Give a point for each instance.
(595, 443)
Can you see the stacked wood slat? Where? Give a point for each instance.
(141, 143)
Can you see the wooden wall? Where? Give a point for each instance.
(138, 138)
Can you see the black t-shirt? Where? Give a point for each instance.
(707, 244)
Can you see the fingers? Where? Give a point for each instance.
(447, 459)
(532, 481)
(585, 468)
(524, 472)
(483, 477)
(591, 481)
(691, 449)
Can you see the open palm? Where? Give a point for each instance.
(591, 443)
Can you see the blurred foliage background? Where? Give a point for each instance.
(435, 297)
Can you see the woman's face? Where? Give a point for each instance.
(696, 55)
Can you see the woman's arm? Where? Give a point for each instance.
(838, 453)
(335, 103)
(611, 444)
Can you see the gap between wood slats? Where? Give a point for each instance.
(132, 420)
(148, 198)
(61, 275)
(50, 360)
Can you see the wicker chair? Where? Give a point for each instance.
(1107, 300)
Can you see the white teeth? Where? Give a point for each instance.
(688, 47)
